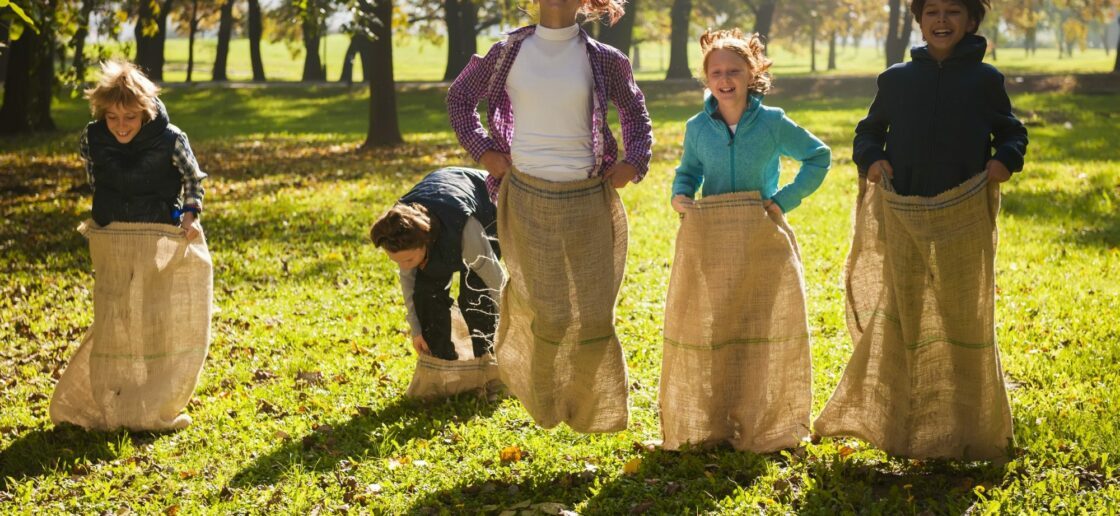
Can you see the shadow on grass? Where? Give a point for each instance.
(64, 447)
(896, 486)
(665, 483)
(374, 434)
(1092, 224)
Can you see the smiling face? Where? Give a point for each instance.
(124, 122)
(409, 258)
(944, 23)
(728, 76)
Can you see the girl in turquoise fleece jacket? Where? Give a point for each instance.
(734, 145)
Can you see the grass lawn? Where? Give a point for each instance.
(419, 60)
(299, 289)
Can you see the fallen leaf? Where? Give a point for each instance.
(641, 508)
(310, 377)
(171, 511)
(510, 454)
(845, 451)
(632, 466)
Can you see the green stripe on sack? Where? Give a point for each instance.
(594, 340)
(452, 367)
(151, 356)
(732, 342)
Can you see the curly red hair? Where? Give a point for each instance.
(750, 48)
(611, 9)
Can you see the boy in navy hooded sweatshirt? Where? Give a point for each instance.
(937, 119)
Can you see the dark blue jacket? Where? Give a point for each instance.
(135, 181)
(938, 124)
(451, 195)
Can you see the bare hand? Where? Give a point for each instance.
(420, 345)
(620, 174)
(772, 207)
(997, 171)
(190, 224)
(681, 202)
(496, 163)
(878, 169)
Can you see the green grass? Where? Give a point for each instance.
(419, 60)
(299, 289)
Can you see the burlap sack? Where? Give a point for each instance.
(924, 380)
(564, 245)
(736, 365)
(140, 360)
(438, 378)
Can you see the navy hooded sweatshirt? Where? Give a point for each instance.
(938, 124)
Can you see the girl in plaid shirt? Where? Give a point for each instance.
(557, 82)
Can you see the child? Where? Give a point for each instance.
(924, 380)
(563, 227)
(446, 225)
(139, 363)
(736, 363)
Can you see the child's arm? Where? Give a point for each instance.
(184, 160)
(690, 173)
(871, 132)
(408, 286)
(83, 151)
(815, 157)
(1009, 136)
(479, 255)
(463, 97)
(633, 117)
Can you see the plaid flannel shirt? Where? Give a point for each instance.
(485, 78)
(183, 159)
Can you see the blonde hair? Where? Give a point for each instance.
(122, 84)
(595, 9)
(750, 48)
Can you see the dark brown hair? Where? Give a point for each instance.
(976, 10)
(750, 48)
(403, 227)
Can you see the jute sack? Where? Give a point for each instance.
(140, 360)
(564, 245)
(438, 378)
(924, 380)
(736, 365)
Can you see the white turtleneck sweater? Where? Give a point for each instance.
(550, 88)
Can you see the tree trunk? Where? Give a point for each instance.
(637, 61)
(832, 50)
(813, 46)
(79, 41)
(678, 40)
(149, 47)
(621, 34)
(1116, 66)
(312, 65)
(347, 75)
(255, 31)
(190, 39)
(898, 32)
(995, 42)
(764, 19)
(383, 127)
(5, 36)
(461, 17)
(29, 87)
(225, 30)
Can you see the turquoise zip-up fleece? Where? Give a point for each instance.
(749, 161)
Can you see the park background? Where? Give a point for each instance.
(299, 408)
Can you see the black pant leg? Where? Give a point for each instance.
(432, 300)
(480, 311)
